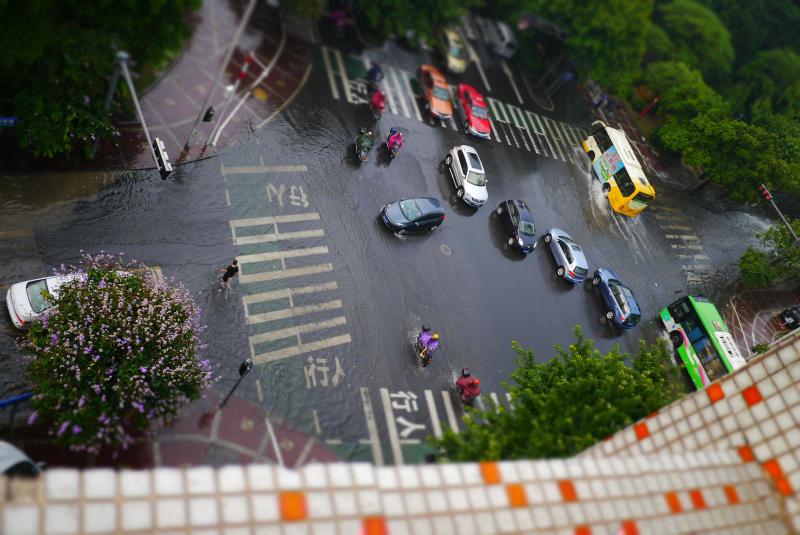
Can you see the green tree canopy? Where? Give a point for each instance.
(682, 92)
(759, 24)
(700, 38)
(567, 404)
(384, 18)
(58, 56)
(774, 76)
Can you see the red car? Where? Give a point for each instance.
(474, 112)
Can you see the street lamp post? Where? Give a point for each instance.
(768, 196)
(244, 368)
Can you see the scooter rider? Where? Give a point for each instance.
(468, 386)
(394, 141)
(378, 101)
(364, 139)
(428, 344)
(375, 73)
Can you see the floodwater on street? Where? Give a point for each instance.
(328, 301)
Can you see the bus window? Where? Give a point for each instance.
(708, 356)
(625, 183)
(642, 198)
(602, 140)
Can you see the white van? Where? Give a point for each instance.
(501, 39)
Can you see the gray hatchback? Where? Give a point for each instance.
(570, 262)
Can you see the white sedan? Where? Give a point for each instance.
(25, 301)
(468, 175)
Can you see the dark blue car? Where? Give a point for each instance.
(621, 306)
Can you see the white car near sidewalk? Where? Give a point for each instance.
(25, 301)
(469, 176)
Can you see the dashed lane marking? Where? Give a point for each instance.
(299, 349)
(9, 234)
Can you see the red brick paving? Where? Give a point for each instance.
(750, 315)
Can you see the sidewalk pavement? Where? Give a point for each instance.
(172, 104)
(751, 316)
(241, 433)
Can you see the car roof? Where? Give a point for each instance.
(524, 211)
(474, 160)
(428, 205)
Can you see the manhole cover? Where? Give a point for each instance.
(446, 250)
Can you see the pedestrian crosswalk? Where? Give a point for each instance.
(511, 125)
(290, 306)
(406, 418)
(685, 243)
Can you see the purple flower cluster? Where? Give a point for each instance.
(115, 354)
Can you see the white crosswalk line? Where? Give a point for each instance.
(437, 426)
(372, 428)
(299, 349)
(293, 312)
(394, 439)
(343, 75)
(329, 71)
(534, 121)
(500, 113)
(294, 330)
(681, 237)
(412, 96)
(271, 220)
(448, 409)
(276, 236)
(285, 273)
(549, 126)
(519, 122)
(391, 73)
(258, 169)
(280, 255)
(286, 293)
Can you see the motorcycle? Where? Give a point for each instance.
(376, 106)
(363, 145)
(425, 341)
(393, 146)
(468, 387)
(374, 77)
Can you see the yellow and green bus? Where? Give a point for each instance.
(701, 339)
(616, 166)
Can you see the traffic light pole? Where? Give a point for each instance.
(767, 195)
(122, 60)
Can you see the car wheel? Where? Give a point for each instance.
(606, 188)
(609, 315)
(560, 271)
(460, 193)
(511, 242)
(499, 210)
(596, 281)
(547, 238)
(448, 160)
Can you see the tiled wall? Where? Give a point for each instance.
(723, 460)
(754, 412)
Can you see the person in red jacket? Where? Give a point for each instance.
(468, 386)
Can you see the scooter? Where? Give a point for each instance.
(424, 338)
(394, 148)
(363, 146)
(376, 111)
(468, 387)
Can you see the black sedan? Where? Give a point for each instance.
(413, 216)
(518, 223)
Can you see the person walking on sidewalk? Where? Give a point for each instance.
(230, 272)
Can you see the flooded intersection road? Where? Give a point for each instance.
(327, 300)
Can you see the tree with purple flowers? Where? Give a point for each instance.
(115, 353)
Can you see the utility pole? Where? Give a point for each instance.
(234, 41)
(112, 88)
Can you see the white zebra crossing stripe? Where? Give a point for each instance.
(448, 409)
(519, 121)
(394, 439)
(549, 126)
(299, 349)
(276, 236)
(286, 293)
(329, 71)
(343, 75)
(407, 83)
(437, 426)
(295, 330)
(391, 73)
(534, 119)
(280, 255)
(285, 273)
(293, 312)
(372, 428)
(272, 220)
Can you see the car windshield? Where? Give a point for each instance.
(575, 247)
(476, 179)
(410, 209)
(441, 93)
(480, 112)
(620, 296)
(581, 271)
(526, 227)
(475, 162)
(34, 290)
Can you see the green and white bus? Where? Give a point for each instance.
(701, 339)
